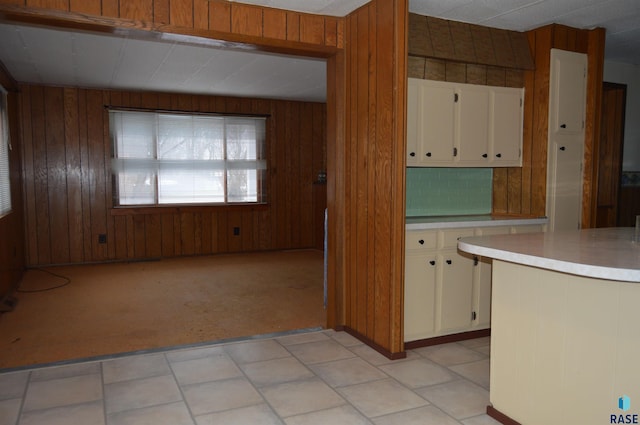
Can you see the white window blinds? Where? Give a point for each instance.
(171, 158)
(5, 184)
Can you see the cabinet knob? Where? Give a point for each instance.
(484, 155)
(498, 155)
(449, 261)
(421, 241)
(432, 262)
(563, 126)
(412, 154)
(562, 148)
(429, 154)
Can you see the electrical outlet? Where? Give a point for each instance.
(102, 238)
(236, 231)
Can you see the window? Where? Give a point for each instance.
(173, 158)
(5, 185)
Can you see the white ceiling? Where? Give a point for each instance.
(53, 57)
(48, 56)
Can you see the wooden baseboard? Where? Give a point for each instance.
(372, 344)
(446, 339)
(500, 417)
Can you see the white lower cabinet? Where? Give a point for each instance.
(455, 292)
(482, 281)
(447, 291)
(419, 299)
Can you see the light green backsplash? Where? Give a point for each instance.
(448, 191)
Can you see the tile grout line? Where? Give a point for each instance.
(328, 336)
(184, 399)
(346, 402)
(257, 390)
(104, 394)
(24, 398)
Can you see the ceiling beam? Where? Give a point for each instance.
(143, 30)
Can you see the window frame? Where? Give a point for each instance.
(148, 208)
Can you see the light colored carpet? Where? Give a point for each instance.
(116, 308)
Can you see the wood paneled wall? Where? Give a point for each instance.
(380, 122)
(12, 258)
(436, 38)
(523, 190)
(374, 169)
(68, 184)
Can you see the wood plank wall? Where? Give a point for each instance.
(230, 18)
(68, 189)
(374, 161)
(384, 119)
(436, 38)
(526, 194)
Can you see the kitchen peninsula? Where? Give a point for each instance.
(565, 335)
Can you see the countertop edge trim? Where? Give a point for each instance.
(479, 223)
(578, 269)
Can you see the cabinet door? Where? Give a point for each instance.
(482, 293)
(436, 127)
(568, 87)
(482, 281)
(413, 95)
(472, 124)
(455, 291)
(506, 126)
(565, 185)
(567, 96)
(419, 296)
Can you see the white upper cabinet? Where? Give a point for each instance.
(568, 92)
(436, 124)
(413, 96)
(463, 125)
(506, 126)
(472, 124)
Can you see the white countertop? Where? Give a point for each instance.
(448, 222)
(600, 253)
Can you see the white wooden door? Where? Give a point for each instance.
(472, 124)
(567, 102)
(419, 296)
(506, 126)
(436, 131)
(482, 281)
(413, 95)
(455, 291)
(566, 185)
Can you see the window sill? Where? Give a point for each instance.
(176, 209)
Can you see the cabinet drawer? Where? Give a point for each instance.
(449, 238)
(420, 239)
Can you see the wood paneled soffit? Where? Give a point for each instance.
(458, 41)
(314, 39)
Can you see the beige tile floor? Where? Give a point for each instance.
(321, 377)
